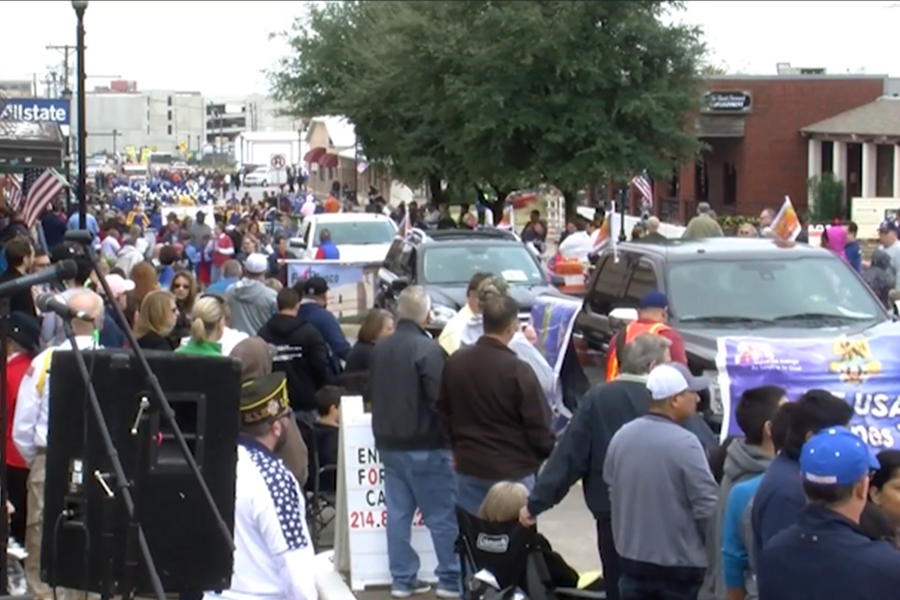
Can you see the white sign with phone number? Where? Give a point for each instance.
(362, 496)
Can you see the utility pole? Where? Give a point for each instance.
(66, 52)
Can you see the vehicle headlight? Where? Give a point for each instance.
(442, 314)
(715, 392)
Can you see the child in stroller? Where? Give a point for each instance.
(517, 557)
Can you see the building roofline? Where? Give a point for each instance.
(841, 76)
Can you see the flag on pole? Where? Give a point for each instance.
(405, 225)
(645, 188)
(614, 231)
(39, 188)
(786, 225)
(361, 167)
(13, 191)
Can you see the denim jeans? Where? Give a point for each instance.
(640, 588)
(472, 490)
(215, 274)
(422, 479)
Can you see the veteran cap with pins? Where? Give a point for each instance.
(264, 398)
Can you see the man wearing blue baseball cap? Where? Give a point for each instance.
(825, 554)
(653, 314)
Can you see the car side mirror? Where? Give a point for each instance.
(557, 280)
(626, 315)
(399, 284)
(297, 243)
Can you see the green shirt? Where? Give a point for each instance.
(201, 348)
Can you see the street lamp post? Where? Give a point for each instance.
(80, 6)
(67, 94)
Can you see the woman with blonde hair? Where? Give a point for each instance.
(503, 503)
(155, 321)
(207, 328)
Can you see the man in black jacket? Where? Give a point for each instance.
(19, 256)
(582, 450)
(404, 382)
(301, 351)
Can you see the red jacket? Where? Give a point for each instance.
(16, 367)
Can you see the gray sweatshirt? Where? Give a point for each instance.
(662, 494)
(252, 303)
(742, 462)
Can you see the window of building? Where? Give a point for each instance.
(169, 101)
(148, 129)
(169, 128)
(170, 115)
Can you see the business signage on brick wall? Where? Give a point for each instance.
(727, 102)
(36, 110)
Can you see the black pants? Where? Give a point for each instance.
(18, 495)
(639, 588)
(608, 556)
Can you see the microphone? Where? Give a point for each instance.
(53, 303)
(61, 271)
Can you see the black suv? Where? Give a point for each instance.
(443, 261)
(726, 287)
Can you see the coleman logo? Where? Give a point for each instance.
(495, 544)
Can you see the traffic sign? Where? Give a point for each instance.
(278, 161)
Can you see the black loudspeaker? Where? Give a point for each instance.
(187, 546)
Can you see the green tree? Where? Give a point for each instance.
(494, 95)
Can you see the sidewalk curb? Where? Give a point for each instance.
(329, 583)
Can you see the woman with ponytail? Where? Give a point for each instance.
(207, 327)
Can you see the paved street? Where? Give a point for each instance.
(569, 527)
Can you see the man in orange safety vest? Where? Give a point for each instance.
(653, 313)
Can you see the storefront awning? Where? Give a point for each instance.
(329, 161)
(315, 154)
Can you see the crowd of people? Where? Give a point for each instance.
(794, 508)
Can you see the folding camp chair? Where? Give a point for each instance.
(321, 504)
(513, 555)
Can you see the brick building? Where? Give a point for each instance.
(756, 147)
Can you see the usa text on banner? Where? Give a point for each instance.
(360, 534)
(865, 371)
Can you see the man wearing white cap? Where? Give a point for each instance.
(661, 492)
(252, 303)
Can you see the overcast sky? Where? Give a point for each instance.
(222, 48)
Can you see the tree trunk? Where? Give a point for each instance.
(497, 208)
(436, 190)
(571, 199)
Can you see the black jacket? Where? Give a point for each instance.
(404, 382)
(582, 450)
(360, 357)
(154, 341)
(301, 354)
(21, 301)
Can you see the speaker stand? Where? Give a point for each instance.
(141, 433)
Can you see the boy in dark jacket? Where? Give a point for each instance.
(314, 294)
(301, 351)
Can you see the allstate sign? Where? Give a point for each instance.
(41, 110)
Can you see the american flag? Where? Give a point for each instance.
(39, 188)
(643, 185)
(13, 190)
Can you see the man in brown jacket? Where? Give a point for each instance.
(493, 410)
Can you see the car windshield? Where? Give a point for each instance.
(457, 263)
(786, 291)
(357, 232)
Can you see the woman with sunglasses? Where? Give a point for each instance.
(184, 287)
